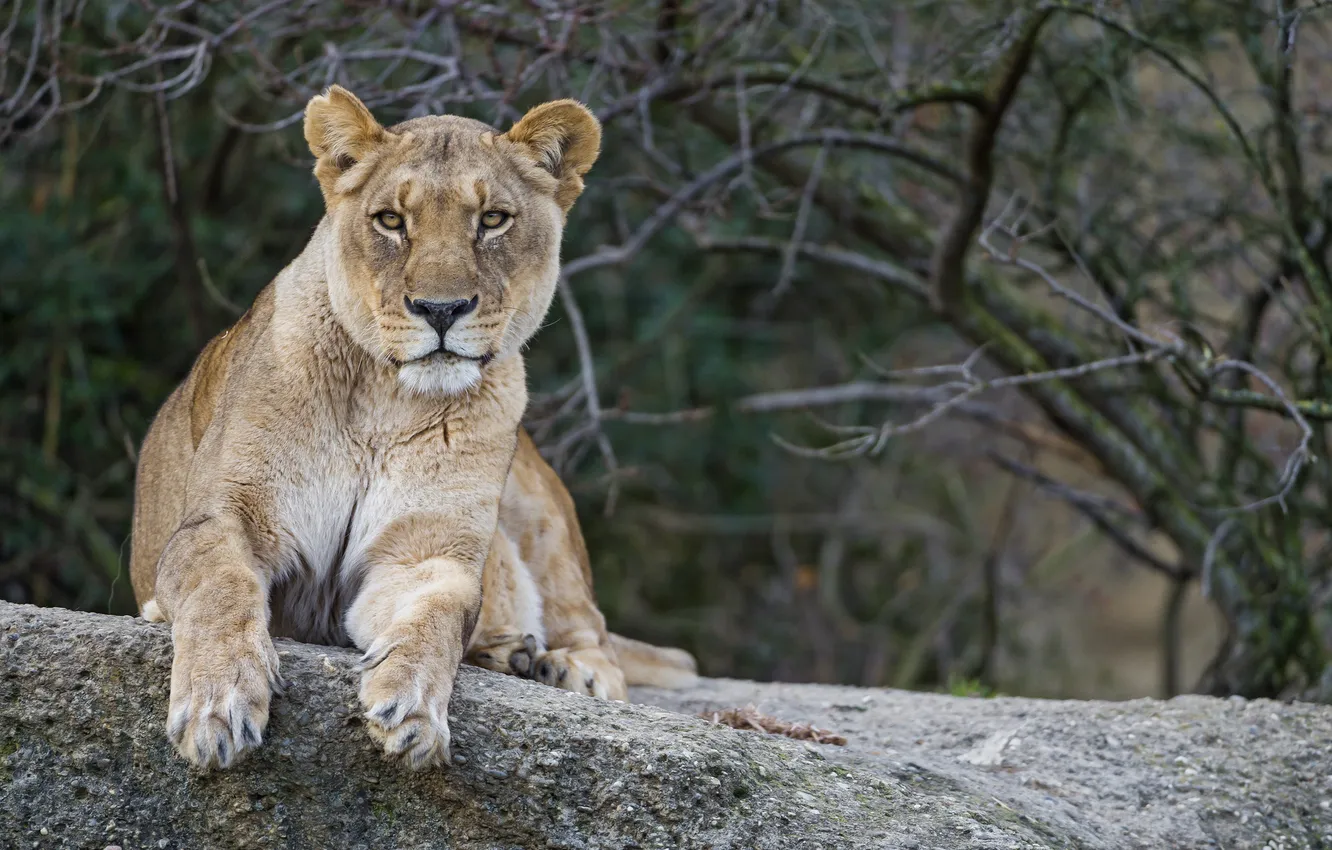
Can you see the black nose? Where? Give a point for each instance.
(441, 315)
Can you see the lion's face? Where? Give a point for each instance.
(447, 243)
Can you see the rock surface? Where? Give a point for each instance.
(84, 763)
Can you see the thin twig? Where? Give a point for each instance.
(590, 394)
(798, 231)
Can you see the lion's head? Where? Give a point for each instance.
(446, 232)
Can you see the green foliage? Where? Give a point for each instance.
(960, 687)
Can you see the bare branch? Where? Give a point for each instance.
(870, 441)
(590, 395)
(946, 274)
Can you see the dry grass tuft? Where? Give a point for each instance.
(750, 717)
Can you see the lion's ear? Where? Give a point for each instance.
(340, 131)
(562, 137)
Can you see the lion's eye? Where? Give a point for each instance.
(494, 219)
(389, 220)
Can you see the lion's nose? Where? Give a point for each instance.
(441, 315)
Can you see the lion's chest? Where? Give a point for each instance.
(328, 516)
(368, 459)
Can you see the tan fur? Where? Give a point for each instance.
(332, 468)
(539, 554)
(658, 666)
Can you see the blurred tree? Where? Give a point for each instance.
(996, 250)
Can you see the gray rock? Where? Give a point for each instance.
(84, 763)
(1189, 772)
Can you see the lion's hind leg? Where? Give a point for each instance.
(509, 635)
(589, 671)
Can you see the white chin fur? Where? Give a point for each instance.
(440, 377)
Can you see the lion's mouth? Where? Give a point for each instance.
(444, 354)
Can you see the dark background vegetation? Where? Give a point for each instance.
(941, 344)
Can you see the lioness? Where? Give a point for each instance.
(332, 468)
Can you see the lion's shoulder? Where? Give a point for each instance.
(214, 366)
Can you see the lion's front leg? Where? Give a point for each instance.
(413, 621)
(224, 666)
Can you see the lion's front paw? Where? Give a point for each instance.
(219, 697)
(583, 671)
(406, 700)
(506, 652)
